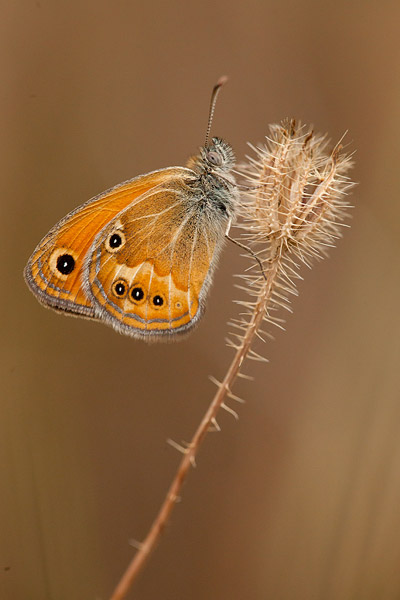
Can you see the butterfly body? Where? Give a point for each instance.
(140, 256)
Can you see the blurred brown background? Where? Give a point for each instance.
(301, 498)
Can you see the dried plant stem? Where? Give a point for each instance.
(188, 460)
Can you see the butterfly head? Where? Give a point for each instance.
(217, 158)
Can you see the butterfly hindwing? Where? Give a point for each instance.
(149, 269)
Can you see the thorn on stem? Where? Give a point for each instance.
(135, 544)
(230, 411)
(236, 398)
(214, 425)
(244, 376)
(214, 381)
(177, 446)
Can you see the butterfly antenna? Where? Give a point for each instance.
(221, 81)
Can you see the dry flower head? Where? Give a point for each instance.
(292, 210)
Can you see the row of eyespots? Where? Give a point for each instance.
(135, 293)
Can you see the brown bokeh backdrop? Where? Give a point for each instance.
(301, 498)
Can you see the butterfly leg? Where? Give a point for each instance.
(249, 250)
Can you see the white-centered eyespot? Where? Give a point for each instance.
(136, 293)
(115, 241)
(120, 288)
(62, 262)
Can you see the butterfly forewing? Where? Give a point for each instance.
(54, 271)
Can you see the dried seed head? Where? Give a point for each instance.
(292, 210)
(296, 197)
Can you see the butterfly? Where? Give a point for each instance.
(140, 256)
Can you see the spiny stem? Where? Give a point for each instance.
(294, 207)
(187, 461)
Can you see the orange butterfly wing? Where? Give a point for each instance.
(150, 267)
(68, 243)
(141, 255)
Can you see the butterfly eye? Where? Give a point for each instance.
(119, 288)
(115, 241)
(136, 294)
(214, 158)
